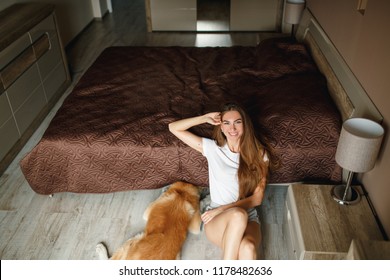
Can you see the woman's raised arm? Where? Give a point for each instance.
(180, 129)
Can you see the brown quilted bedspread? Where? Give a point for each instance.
(111, 133)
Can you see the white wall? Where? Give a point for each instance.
(253, 15)
(72, 15)
(99, 8)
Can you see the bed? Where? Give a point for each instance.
(111, 133)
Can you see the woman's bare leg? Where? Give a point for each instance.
(227, 230)
(250, 243)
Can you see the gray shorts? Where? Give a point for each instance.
(252, 213)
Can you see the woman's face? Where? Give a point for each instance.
(232, 125)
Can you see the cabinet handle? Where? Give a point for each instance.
(16, 67)
(41, 46)
(23, 61)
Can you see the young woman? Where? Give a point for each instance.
(238, 167)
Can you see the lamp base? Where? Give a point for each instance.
(351, 197)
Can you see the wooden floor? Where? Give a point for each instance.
(68, 226)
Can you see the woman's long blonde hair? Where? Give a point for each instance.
(252, 170)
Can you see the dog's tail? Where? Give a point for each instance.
(102, 252)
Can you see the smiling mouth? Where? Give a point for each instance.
(233, 133)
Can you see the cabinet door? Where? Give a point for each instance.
(51, 65)
(9, 133)
(253, 15)
(45, 26)
(173, 15)
(27, 98)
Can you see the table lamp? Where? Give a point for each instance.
(357, 151)
(293, 12)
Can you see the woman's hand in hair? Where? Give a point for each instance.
(213, 118)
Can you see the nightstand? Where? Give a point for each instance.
(317, 227)
(369, 250)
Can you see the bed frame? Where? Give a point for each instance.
(348, 94)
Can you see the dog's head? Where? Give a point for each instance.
(203, 192)
(184, 188)
(186, 191)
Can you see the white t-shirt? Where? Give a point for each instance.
(223, 166)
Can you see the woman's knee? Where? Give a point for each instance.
(238, 215)
(232, 221)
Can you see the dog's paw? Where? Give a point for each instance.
(195, 225)
(101, 251)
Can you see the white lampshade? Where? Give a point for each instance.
(293, 11)
(359, 144)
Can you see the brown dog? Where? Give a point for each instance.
(168, 219)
